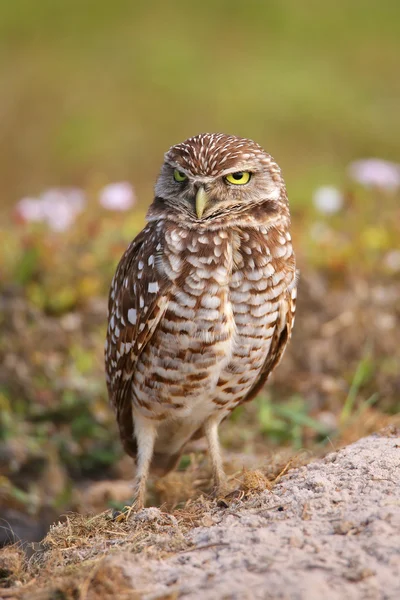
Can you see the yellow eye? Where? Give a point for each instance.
(179, 176)
(239, 178)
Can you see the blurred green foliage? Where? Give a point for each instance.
(97, 91)
(284, 423)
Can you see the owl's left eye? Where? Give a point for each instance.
(179, 176)
(239, 178)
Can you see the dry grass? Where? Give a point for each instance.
(12, 567)
(74, 561)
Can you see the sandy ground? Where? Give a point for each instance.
(328, 530)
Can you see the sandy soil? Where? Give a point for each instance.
(328, 530)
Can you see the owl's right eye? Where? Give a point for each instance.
(179, 176)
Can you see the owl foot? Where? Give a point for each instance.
(220, 491)
(128, 510)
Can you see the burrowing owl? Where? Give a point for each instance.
(202, 303)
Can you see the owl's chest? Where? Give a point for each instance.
(195, 337)
(216, 330)
(226, 286)
(198, 327)
(199, 267)
(227, 301)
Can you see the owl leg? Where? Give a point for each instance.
(145, 433)
(211, 431)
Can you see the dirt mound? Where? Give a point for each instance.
(329, 529)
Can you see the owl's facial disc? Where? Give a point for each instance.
(200, 190)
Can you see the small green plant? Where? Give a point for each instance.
(362, 375)
(285, 423)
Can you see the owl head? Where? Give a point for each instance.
(212, 175)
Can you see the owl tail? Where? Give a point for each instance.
(161, 463)
(164, 463)
(126, 431)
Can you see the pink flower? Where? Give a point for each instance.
(117, 196)
(375, 172)
(56, 207)
(30, 209)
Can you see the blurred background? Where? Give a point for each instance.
(92, 95)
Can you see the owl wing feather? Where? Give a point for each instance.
(280, 338)
(138, 299)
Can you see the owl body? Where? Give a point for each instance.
(202, 303)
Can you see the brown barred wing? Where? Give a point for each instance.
(139, 296)
(280, 338)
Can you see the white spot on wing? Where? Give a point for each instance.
(132, 316)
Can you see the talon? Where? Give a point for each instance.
(221, 503)
(221, 489)
(120, 516)
(133, 508)
(115, 514)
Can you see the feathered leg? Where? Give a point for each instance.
(211, 431)
(145, 433)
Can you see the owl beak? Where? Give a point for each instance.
(201, 201)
